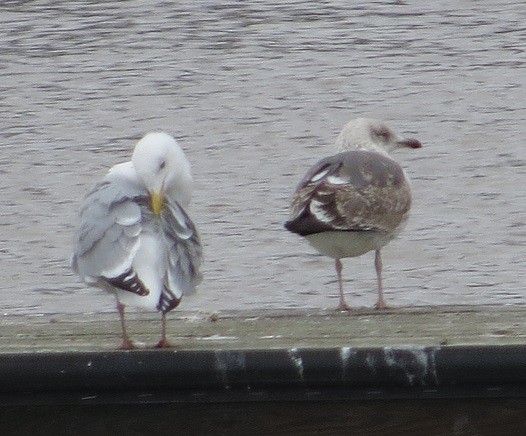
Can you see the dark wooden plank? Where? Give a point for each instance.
(381, 418)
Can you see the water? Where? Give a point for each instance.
(256, 92)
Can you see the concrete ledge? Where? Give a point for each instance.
(419, 370)
(270, 329)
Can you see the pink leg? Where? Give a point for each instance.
(342, 305)
(127, 344)
(380, 304)
(164, 343)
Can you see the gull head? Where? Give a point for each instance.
(371, 134)
(163, 169)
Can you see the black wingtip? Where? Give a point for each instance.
(129, 281)
(300, 226)
(294, 226)
(167, 301)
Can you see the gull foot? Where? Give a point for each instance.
(164, 343)
(344, 307)
(127, 345)
(380, 305)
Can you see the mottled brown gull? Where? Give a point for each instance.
(355, 201)
(134, 237)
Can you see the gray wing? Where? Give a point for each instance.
(184, 255)
(107, 237)
(351, 191)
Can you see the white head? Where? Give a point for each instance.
(371, 134)
(163, 168)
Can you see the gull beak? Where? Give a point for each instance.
(157, 203)
(409, 143)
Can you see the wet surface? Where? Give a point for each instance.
(256, 93)
(270, 329)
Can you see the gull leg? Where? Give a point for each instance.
(127, 344)
(380, 304)
(164, 343)
(342, 305)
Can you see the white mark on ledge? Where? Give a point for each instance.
(230, 364)
(218, 338)
(297, 360)
(416, 363)
(345, 355)
(370, 360)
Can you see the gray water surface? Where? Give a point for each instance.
(256, 92)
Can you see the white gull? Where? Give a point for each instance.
(134, 237)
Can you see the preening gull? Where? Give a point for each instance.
(355, 201)
(134, 237)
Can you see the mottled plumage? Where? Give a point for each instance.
(355, 201)
(148, 254)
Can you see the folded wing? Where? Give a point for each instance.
(351, 191)
(184, 256)
(107, 238)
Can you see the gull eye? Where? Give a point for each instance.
(162, 165)
(384, 134)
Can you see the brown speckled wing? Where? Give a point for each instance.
(351, 191)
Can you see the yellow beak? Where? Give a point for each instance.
(157, 203)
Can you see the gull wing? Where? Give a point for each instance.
(184, 255)
(107, 237)
(351, 191)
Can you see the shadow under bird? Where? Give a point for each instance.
(134, 237)
(355, 201)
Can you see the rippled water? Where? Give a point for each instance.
(256, 92)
